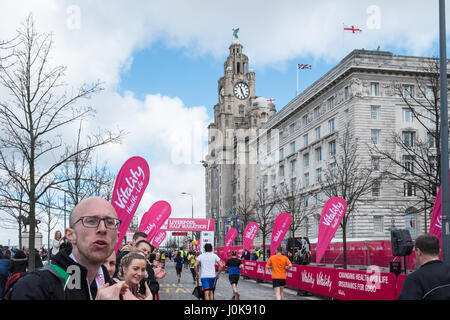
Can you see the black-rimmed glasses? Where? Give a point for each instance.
(94, 222)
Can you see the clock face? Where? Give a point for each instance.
(241, 90)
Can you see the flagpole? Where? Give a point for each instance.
(296, 91)
(445, 206)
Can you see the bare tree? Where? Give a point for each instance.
(413, 158)
(33, 114)
(264, 205)
(289, 199)
(245, 210)
(83, 178)
(348, 176)
(13, 202)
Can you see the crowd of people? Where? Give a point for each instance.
(84, 265)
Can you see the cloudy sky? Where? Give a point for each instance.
(160, 62)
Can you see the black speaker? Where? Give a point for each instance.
(402, 244)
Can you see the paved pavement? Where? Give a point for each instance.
(249, 289)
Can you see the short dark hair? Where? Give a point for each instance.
(139, 234)
(428, 244)
(143, 241)
(279, 249)
(208, 247)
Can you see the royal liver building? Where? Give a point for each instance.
(368, 129)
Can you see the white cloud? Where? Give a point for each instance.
(96, 40)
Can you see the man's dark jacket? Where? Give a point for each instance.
(430, 282)
(45, 285)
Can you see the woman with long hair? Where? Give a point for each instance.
(179, 265)
(132, 271)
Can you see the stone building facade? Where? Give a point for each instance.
(294, 146)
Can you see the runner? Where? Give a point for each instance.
(234, 265)
(279, 264)
(191, 257)
(207, 261)
(179, 265)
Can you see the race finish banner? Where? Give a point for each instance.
(179, 224)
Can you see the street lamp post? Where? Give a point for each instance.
(192, 212)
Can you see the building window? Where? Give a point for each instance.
(378, 224)
(292, 146)
(332, 147)
(281, 153)
(226, 123)
(376, 163)
(408, 115)
(305, 119)
(346, 93)
(375, 112)
(376, 189)
(330, 103)
(306, 160)
(305, 201)
(305, 140)
(347, 115)
(293, 165)
(432, 116)
(317, 130)
(319, 154)
(374, 89)
(407, 90)
(281, 172)
(408, 163)
(319, 175)
(431, 140)
(429, 94)
(331, 125)
(409, 189)
(292, 128)
(408, 138)
(306, 180)
(375, 136)
(317, 113)
(333, 169)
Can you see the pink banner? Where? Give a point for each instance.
(154, 218)
(317, 280)
(436, 217)
(280, 227)
(332, 214)
(293, 276)
(231, 235)
(249, 235)
(365, 285)
(158, 238)
(250, 268)
(190, 224)
(128, 190)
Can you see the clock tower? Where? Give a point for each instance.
(230, 174)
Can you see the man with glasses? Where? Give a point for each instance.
(78, 274)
